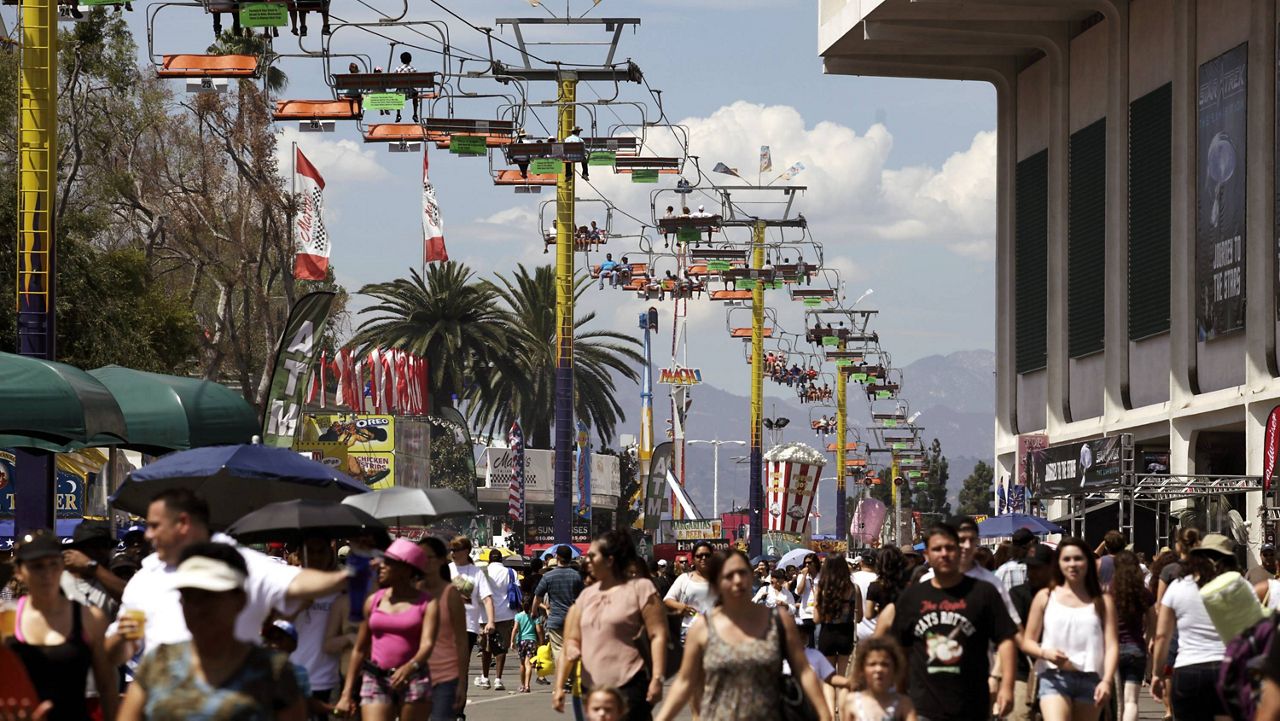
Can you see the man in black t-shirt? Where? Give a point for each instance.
(946, 625)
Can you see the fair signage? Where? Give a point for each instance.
(680, 377)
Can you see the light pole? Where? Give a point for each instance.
(715, 483)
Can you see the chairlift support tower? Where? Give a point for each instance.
(36, 287)
(566, 81)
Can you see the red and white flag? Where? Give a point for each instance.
(312, 259)
(432, 225)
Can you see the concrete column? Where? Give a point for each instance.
(1006, 170)
(1259, 240)
(1117, 247)
(1057, 390)
(1182, 340)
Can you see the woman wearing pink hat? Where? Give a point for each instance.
(394, 642)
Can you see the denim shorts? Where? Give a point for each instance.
(1133, 663)
(442, 696)
(1075, 685)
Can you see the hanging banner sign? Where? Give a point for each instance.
(383, 101)
(1270, 447)
(644, 176)
(745, 284)
(688, 234)
(1076, 467)
(264, 15)
(1220, 194)
(468, 145)
(546, 166)
(602, 157)
(718, 265)
(812, 303)
(655, 494)
(690, 530)
(680, 376)
(829, 341)
(844, 362)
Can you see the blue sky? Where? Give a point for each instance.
(900, 172)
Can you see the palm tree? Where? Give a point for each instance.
(527, 391)
(232, 43)
(455, 324)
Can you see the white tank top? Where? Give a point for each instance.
(1074, 631)
(1273, 594)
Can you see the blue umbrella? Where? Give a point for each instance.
(547, 554)
(235, 480)
(1008, 523)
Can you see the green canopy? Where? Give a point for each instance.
(166, 413)
(50, 405)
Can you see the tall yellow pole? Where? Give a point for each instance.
(36, 286)
(563, 498)
(842, 530)
(897, 502)
(756, 493)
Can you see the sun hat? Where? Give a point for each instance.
(1215, 543)
(207, 574)
(408, 552)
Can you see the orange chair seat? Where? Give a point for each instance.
(850, 446)
(730, 295)
(746, 332)
(510, 176)
(208, 66)
(393, 133)
(340, 109)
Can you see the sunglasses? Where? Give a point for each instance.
(702, 555)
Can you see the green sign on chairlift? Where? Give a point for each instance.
(643, 175)
(828, 341)
(469, 145)
(889, 423)
(718, 265)
(602, 157)
(858, 377)
(884, 394)
(813, 303)
(546, 166)
(688, 234)
(383, 101)
(842, 362)
(264, 15)
(900, 446)
(745, 284)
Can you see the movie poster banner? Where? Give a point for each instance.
(1220, 194)
(1074, 468)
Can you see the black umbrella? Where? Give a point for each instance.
(291, 520)
(515, 562)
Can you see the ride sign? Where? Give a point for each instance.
(264, 15)
(679, 377)
(468, 145)
(383, 101)
(644, 176)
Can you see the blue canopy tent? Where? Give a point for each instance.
(1008, 523)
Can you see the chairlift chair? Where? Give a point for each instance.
(626, 165)
(317, 115)
(825, 294)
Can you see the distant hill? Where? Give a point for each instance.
(955, 395)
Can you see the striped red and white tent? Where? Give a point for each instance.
(791, 483)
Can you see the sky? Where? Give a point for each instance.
(900, 174)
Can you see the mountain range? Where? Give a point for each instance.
(954, 394)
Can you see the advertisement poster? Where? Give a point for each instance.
(1076, 467)
(375, 470)
(359, 431)
(69, 492)
(299, 348)
(1220, 193)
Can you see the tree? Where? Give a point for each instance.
(931, 500)
(446, 318)
(976, 494)
(525, 389)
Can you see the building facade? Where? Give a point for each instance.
(1137, 228)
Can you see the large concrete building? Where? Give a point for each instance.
(1137, 216)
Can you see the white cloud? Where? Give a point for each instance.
(339, 161)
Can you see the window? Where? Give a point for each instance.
(1150, 211)
(1030, 259)
(1086, 239)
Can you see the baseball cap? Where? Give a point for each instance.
(407, 552)
(1023, 537)
(1215, 543)
(286, 628)
(207, 574)
(662, 562)
(1268, 547)
(35, 546)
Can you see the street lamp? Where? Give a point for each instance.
(715, 484)
(775, 425)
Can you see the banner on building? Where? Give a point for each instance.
(299, 348)
(1082, 467)
(1220, 193)
(433, 249)
(72, 475)
(312, 259)
(690, 530)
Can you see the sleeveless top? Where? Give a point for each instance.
(396, 636)
(1075, 631)
(443, 661)
(1273, 594)
(890, 709)
(741, 682)
(58, 672)
(322, 668)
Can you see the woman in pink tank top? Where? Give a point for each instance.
(448, 693)
(394, 642)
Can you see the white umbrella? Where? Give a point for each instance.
(412, 506)
(794, 557)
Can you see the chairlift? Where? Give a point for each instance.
(708, 254)
(626, 165)
(824, 294)
(203, 72)
(382, 82)
(603, 232)
(525, 152)
(313, 115)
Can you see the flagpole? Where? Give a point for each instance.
(293, 196)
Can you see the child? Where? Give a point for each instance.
(879, 670)
(524, 638)
(605, 704)
(776, 593)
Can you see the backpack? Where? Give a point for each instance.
(515, 599)
(1240, 675)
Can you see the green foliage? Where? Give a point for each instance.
(976, 494)
(521, 385)
(932, 501)
(452, 465)
(629, 486)
(452, 322)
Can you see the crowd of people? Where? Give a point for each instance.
(183, 623)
